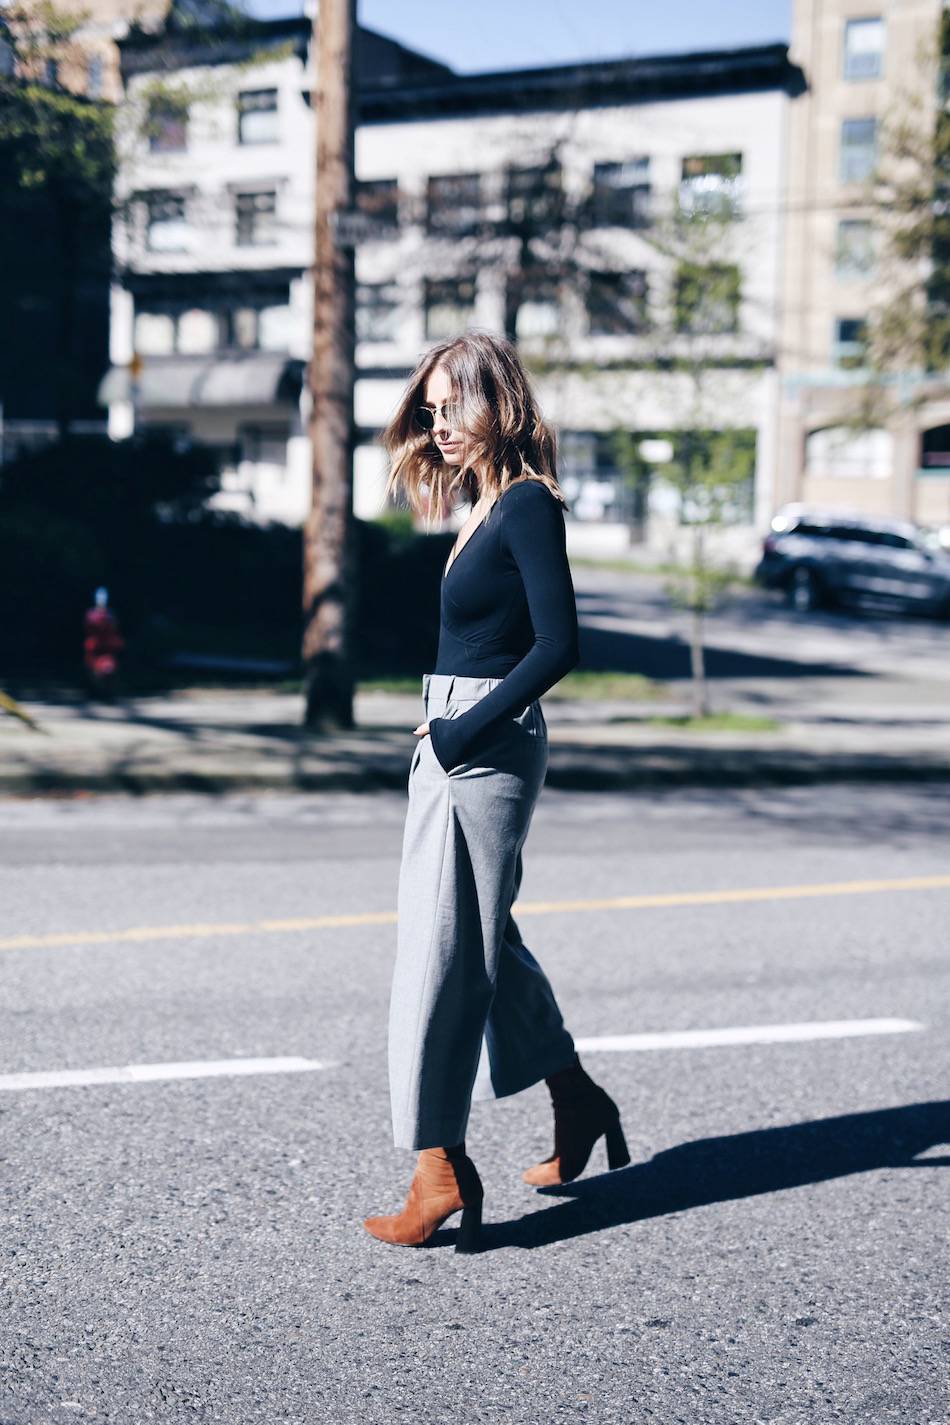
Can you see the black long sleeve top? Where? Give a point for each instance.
(508, 611)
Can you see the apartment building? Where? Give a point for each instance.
(867, 63)
(532, 202)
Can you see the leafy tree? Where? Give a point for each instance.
(56, 175)
(907, 337)
(710, 469)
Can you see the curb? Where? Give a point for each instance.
(599, 769)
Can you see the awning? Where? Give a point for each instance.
(256, 378)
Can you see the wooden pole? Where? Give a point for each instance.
(328, 575)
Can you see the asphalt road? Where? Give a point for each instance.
(191, 1249)
(627, 621)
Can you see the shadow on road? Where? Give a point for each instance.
(725, 1169)
(665, 658)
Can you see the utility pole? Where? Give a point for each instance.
(328, 572)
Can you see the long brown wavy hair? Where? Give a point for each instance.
(505, 437)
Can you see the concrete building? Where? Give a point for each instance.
(538, 203)
(865, 64)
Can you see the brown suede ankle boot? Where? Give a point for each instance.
(445, 1181)
(583, 1112)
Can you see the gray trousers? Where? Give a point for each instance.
(472, 1015)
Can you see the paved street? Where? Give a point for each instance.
(189, 1248)
(628, 622)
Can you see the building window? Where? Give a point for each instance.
(849, 347)
(706, 298)
(533, 305)
(449, 306)
(534, 197)
(377, 311)
(593, 473)
(197, 331)
(863, 49)
(935, 451)
(166, 225)
(165, 330)
(616, 303)
(258, 326)
(836, 453)
(167, 125)
(378, 198)
(454, 203)
(620, 197)
(256, 218)
(257, 116)
(94, 73)
(264, 445)
(154, 333)
(854, 251)
(858, 149)
(711, 184)
(168, 325)
(711, 474)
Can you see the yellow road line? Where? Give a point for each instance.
(210, 929)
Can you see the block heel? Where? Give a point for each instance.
(618, 1154)
(583, 1114)
(470, 1229)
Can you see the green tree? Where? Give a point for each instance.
(56, 175)
(907, 339)
(710, 470)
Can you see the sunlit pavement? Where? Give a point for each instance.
(195, 1118)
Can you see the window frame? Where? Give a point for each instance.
(384, 214)
(249, 240)
(689, 273)
(365, 309)
(729, 191)
(848, 354)
(152, 200)
(538, 288)
(846, 151)
(606, 278)
(852, 22)
(470, 212)
(244, 109)
(430, 283)
(854, 272)
(167, 110)
(620, 205)
(543, 206)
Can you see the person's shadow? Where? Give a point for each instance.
(720, 1169)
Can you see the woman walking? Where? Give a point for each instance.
(472, 1014)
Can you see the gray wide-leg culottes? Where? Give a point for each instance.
(472, 1014)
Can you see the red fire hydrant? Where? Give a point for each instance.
(102, 645)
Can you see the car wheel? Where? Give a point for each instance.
(804, 592)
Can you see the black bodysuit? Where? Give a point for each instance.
(507, 611)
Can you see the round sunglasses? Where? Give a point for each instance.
(449, 413)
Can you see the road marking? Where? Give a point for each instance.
(156, 1073)
(748, 1034)
(611, 1043)
(210, 929)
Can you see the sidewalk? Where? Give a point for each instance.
(214, 741)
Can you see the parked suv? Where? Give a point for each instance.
(822, 557)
